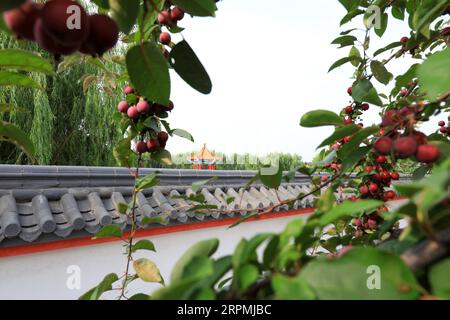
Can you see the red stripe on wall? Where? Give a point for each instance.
(88, 241)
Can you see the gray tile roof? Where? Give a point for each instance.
(46, 203)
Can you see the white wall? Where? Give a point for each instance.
(44, 275)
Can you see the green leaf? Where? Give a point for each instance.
(8, 78)
(354, 52)
(183, 134)
(246, 275)
(346, 40)
(439, 279)
(246, 250)
(143, 245)
(102, 4)
(287, 288)
(388, 47)
(434, 74)
(147, 182)
(149, 72)
(339, 133)
(147, 270)
(354, 276)
(13, 134)
(112, 230)
(157, 220)
(200, 8)
(354, 157)
(271, 176)
(125, 13)
(340, 62)
(349, 5)
(364, 91)
(403, 80)
(355, 141)
(384, 18)
(24, 60)
(163, 156)
(349, 208)
(318, 118)
(123, 154)
(198, 267)
(105, 285)
(10, 4)
(198, 185)
(122, 208)
(203, 248)
(186, 63)
(139, 296)
(380, 72)
(420, 172)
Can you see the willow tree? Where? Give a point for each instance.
(70, 121)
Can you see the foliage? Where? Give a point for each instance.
(354, 249)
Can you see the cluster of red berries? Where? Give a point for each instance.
(63, 27)
(444, 128)
(141, 106)
(169, 18)
(368, 223)
(142, 109)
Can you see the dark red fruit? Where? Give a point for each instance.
(349, 91)
(373, 187)
(404, 39)
(21, 20)
(65, 21)
(364, 190)
(405, 147)
(395, 176)
(406, 111)
(123, 106)
(390, 194)
(372, 224)
(348, 121)
(162, 138)
(441, 123)
(420, 137)
(381, 159)
(365, 106)
(128, 90)
(348, 109)
(324, 178)
(103, 35)
(383, 145)
(153, 145)
(445, 32)
(357, 222)
(368, 169)
(141, 147)
(176, 14)
(404, 93)
(163, 18)
(427, 153)
(389, 118)
(48, 43)
(133, 113)
(143, 106)
(385, 176)
(443, 130)
(165, 38)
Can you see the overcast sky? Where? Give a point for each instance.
(268, 60)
